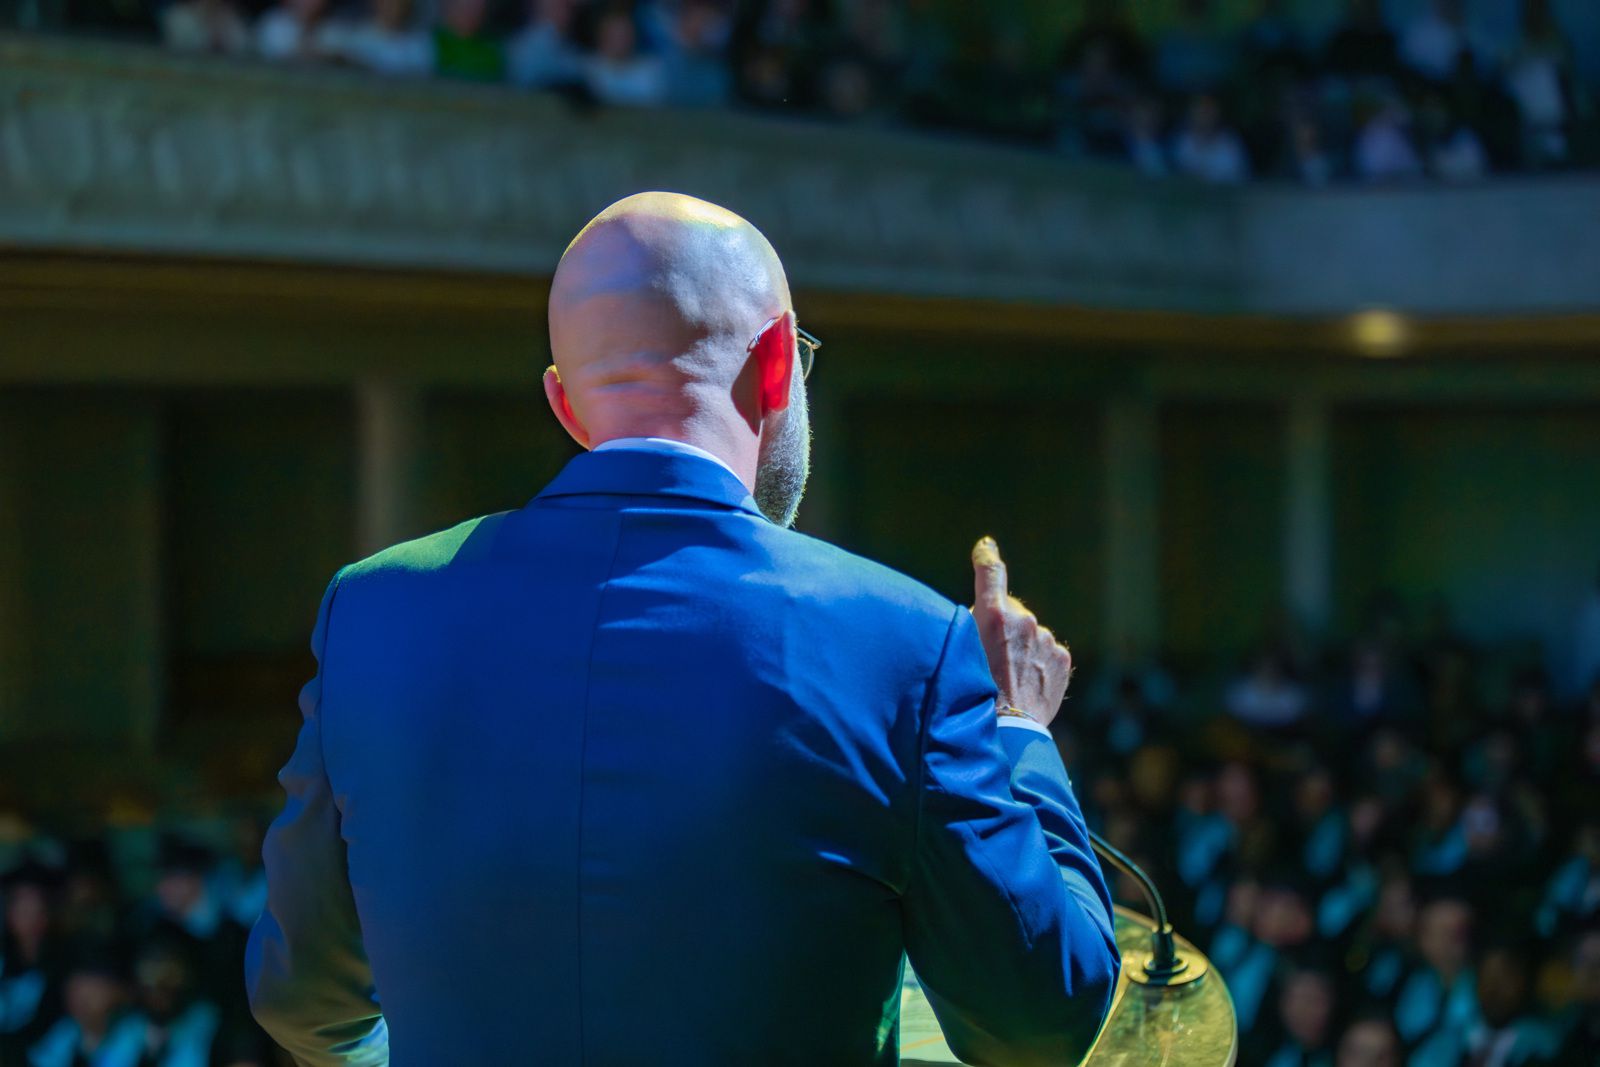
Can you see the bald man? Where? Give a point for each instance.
(636, 774)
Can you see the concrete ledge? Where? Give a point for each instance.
(129, 149)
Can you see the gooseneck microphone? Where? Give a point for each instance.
(1168, 963)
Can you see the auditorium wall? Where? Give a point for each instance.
(1495, 509)
(1222, 518)
(162, 548)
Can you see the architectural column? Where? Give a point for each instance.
(1132, 535)
(388, 413)
(1308, 518)
(146, 474)
(14, 675)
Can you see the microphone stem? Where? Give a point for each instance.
(1164, 949)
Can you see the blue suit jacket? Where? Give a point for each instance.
(633, 776)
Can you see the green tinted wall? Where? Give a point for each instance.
(920, 481)
(485, 451)
(84, 477)
(1499, 510)
(260, 490)
(1222, 478)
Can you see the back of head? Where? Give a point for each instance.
(652, 310)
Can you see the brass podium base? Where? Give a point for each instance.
(1183, 1025)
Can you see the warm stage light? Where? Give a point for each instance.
(1378, 333)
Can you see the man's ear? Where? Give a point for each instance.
(774, 352)
(556, 394)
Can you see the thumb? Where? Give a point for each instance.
(988, 573)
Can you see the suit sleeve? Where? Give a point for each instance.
(1007, 916)
(306, 969)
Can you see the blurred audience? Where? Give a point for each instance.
(1383, 91)
(298, 31)
(388, 40)
(1386, 871)
(620, 71)
(1390, 848)
(215, 26)
(464, 46)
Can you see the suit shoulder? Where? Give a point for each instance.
(841, 574)
(431, 552)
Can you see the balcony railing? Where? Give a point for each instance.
(122, 148)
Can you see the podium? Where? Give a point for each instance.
(1187, 1025)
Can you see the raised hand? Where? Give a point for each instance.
(1030, 667)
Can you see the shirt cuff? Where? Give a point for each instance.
(1017, 722)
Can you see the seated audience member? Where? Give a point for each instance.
(1201, 836)
(1319, 827)
(188, 914)
(1145, 136)
(1439, 993)
(1502, 1038)
(1484, 105)
(389, 41)
(1307, 158)
(463, 47)
(1357, 880)
(1435, 38)
(1095, 95)
(619, 72)
(178, 1026)
(1374, 688)
(1439, 842)
(1369, 1042)
(1384, 151)
(1269, 696)
(1303, 1035)
(1192, 55)
(543, 54)
(696, 66)
(1539, 78)
(95, 1028)
(91, 906)
(849, 88)
(1233, 939)
(766, 79)
(1578, 1025)
(30, 972)
(1281, 926)
(1452, 150)
(1105, 27)
(1128, 719)
(1505, 1032)
(1571, 897)
(215, 26)
(1381, 948)
(1531, 721)
(298, 31)
(239, 878)
(780, 47)
(1392, 767)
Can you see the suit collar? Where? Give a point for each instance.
(635, 472)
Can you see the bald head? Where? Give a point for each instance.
(653, 309)
(653, 306)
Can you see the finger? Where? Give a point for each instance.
(988, 574)
(1046, 636)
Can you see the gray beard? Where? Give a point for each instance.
(785, 462)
